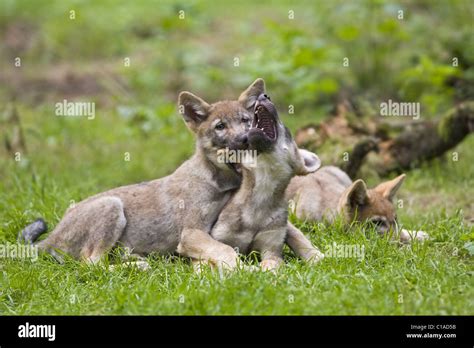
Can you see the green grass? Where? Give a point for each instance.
(420, 279)
(431, 278)
(69, 159)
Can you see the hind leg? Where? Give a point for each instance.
(89, 230)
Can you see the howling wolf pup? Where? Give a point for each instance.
(330, 192)
(255, 219)
(174, 214)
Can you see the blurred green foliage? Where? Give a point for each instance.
(301, 59)
(215, 49)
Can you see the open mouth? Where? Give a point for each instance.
(265, 121)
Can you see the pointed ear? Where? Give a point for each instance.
(308, 162)
(354, 196)
(194, 109)
(388, 189)
(250, 95)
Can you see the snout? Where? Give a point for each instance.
(387, 228)
(240, 142)
(261, 99)
(264, 102)
(242, 139)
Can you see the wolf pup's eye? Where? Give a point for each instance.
(220, 126)
(266, 96)
(245, 119)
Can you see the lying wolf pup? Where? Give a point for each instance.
(173, 214)
(330, 192)
(255, 219)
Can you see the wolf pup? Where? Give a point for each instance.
(255, 219)
(168, 215)
(330, 192)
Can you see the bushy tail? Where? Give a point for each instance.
(31, 232)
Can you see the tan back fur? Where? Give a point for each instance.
(329, 192)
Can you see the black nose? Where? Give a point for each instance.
(242, 139)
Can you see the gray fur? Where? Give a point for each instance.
(316, 196)
(172, 214)
(255, 219)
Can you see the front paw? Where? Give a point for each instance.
(422, 236)
(200, 265)
(228, 259)
(407, 236)
(314, 256)
(270, 265)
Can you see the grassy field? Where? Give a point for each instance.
(431, 278)
(67, 159)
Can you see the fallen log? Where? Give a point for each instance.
(433, 139)
(393, 147)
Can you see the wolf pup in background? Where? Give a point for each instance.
(172, 214)
(330, 192)
(255, 219)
